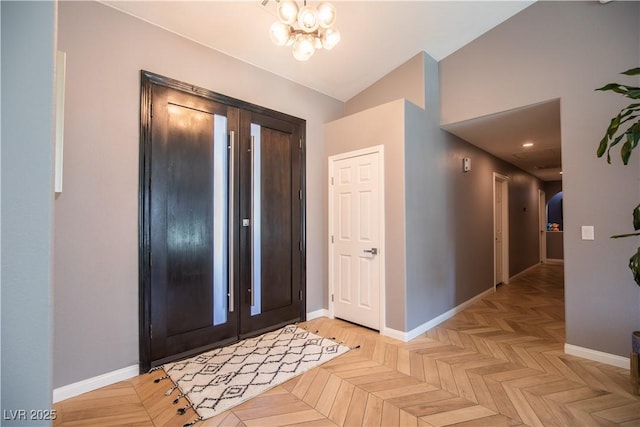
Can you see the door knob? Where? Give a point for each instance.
(372, 251)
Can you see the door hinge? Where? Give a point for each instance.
(331, 297)
(300, 194)
(150, 259)
(300, 294)
(300, 246)
(150, 331)
(331, 180)
(300, 143)
(331, 239)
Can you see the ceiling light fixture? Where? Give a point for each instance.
(527, 144)
(306, 29)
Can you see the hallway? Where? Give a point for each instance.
(500, 362)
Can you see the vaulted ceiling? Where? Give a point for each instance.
(377, 37)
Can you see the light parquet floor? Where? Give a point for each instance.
(499, 362)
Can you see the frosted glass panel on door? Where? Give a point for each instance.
(256, 255)
(220, 218)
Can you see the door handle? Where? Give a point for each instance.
(253, 273)
(231, 213)
(372, 251)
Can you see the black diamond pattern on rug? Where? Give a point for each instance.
(225, 377)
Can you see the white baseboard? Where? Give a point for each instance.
(598, 356)
(554, 261)
(408, 336)
(323, 312)
(90, 384)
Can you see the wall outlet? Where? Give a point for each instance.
(466, 164)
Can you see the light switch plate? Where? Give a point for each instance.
(588, 232)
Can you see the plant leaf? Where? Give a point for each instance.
(634, 265)
(635, 129)
(636, 218)
(634, 93)
(602, 148)
(622, 236)
(609, 86)
(628, 116)
(632, 72)
(626, 149)
(613, 144)
(613, 126)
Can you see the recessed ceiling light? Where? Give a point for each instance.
(527, 144)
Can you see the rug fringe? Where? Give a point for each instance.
(192, 423)
(354, 348)
(154, 369)
(183, 410)
(306, 328)
(171, 390)
(178, 397)
(157, 380)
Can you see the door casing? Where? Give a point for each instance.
(148, 81)
(542, 225)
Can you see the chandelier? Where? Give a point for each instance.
(306, 28)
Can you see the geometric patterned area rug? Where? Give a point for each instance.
(222, 378)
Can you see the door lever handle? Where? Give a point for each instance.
(372, 251)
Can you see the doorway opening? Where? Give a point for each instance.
(542, 225)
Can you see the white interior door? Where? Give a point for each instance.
(501, 228)
(499, 272)
(355, 226)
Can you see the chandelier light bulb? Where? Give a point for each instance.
(308, 19)
(303, 47)
(280, 33)
(306, 28)
(326, 15)
(330, 38)
(287, 11)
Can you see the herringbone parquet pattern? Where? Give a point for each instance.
(500, 362)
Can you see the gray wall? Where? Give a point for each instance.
(564, 50)
(28, 30)
(551, 188)
(555, 243)
(382, 125)
(96, 216)
(450, 213)
(405, 81)
(445, 227)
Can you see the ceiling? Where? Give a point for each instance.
(502, 134)
(377, 37)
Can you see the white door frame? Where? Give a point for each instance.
(381, 250)
(502, 182)
(542, 225)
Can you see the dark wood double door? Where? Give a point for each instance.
(221, 220)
